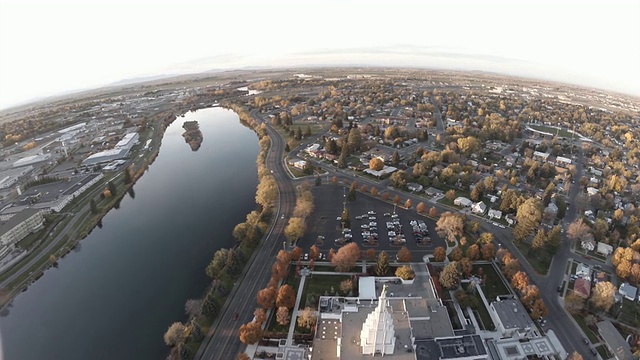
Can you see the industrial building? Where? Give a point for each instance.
(31, 160)
(105, 156)
(18, 227)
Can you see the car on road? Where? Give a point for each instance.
(371, 212)
(359, 217)
(386, 215)
(495, 224)
(339, 218)
(593, 351)
(585, 341)
(559, 288)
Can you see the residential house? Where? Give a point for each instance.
(540, 156)
(582, 287)
(588, 244)
(462, 201)
(583, 271)
(511, 220)
(479, 208)
(495, 214)
(414, 187)
(604, 249)
(628, 291)
(592, 191)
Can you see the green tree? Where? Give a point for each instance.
(209, 305)
(395, 159)
(344, 155)
(218, 263)
(94, 207)
(553, 240)
(355, 139)
(112, 188)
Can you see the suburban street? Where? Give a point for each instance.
(223, 338)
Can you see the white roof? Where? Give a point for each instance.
(563, 159)
(541, 154)
(367, 287)
(462, 200)
(628, 290)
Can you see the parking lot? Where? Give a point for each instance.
(373, 225)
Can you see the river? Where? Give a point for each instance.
(117, 295)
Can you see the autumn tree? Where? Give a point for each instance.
(286, 297)
(314, 252)
(603, 296)
(405, 272)
(439, 254)
(450, 276)
(465, 266)
(397, 199)
(473, 252)
(574, 356)
(456, 254)
(407, 204)
(176, 334)
(382, 266)
(296, 253)
(346, 257)
(519, 281)
(488, 252)
(404, 255)
(295, 229)
(528, 216)
(450, 195)
(266, 297)
(374, 191)
(538, 309)
(282, 316)
(250, 333)
(433, 212)
(376, 164)
(346, 286)
(450, 225)
(307, 318)
(421, 208)
(510, 268)
(578, 231)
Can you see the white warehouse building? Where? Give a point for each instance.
(128, 141)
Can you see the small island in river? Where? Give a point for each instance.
(192, 135)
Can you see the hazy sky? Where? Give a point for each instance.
(51, 47)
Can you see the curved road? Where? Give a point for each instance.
(223, 339)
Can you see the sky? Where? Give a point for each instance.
(53, 47)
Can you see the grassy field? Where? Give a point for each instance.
(539, 260)
(561, 133)
(583, 325)
(494, 286)
(317, 285)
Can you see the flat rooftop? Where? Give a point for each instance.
(512, 314)
(467, 346)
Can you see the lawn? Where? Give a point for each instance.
(540, 260)
(630, 314)
(483, 317)
(583, 325)
(494, 286)
(553, 131)
(319, 285)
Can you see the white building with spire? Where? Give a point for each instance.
(377, 336)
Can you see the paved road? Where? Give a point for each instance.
(224, 337)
